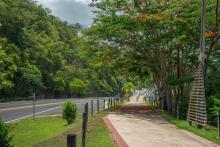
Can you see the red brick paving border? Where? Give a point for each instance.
(134, 108)
(118, 140)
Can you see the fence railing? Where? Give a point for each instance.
(107, 104)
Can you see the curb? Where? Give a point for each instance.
(118, 140)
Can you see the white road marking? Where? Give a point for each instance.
(38, 113)
(32, 115)
(39, 105)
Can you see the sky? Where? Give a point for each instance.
(72, 11)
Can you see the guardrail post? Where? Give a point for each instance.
(84, 126)
(71, 140)
(97, 106)
(218, 123)
(104, 104)
(92, 107)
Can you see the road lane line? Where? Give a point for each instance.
(39, 105)
(32, 114)
(37, 113)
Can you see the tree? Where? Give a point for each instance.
(127, 89)
(8, 67)
(77, 86)
(160, 38)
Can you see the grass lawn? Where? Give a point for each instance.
(209, 133)
(97, 135)
(52, 131)
(29, 132)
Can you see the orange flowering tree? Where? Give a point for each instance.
(157, 40)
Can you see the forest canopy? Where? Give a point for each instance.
(41, 53)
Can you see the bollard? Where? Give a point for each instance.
(177, 113)
(97, 106)
(92, 107)
(218, 123)
(71, 140)
(104, 104)
(34, 99)
(84, 127)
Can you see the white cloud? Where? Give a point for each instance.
(84, 1)
(72, 11)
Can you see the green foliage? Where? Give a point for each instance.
(70, 112)
(174, 81)
(213, 105)
(8, 58)
(159, 40)
(40, 52)
(77, 86)
(151, 42)
(127, 89)
(5, 137)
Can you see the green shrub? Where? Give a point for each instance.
(5, 138)
(69, 112)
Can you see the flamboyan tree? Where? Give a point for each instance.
(157, 37)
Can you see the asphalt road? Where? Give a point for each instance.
(14, 111)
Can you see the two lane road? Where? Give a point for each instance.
(14, 111)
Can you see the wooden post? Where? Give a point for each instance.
(84, 126)
(92, 107)
(97, 106)
(177, 113)
(108, 103)
(34, 99)
(218, 123)
(104, 104)
(86, 107)
(71, 140)
(190, 123)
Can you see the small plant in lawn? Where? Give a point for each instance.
(5, 138)
(70, 112)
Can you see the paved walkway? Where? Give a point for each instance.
(138, 126)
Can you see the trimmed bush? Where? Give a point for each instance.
(5, 138)
(69, 112)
